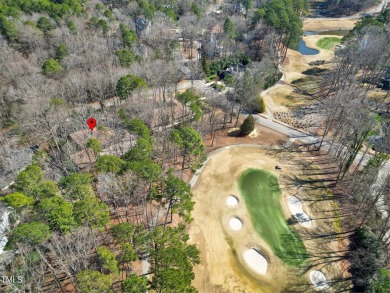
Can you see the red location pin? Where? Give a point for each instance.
(91, 123)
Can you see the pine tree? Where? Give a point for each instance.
(247, 126)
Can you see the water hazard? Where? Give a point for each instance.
(305, 50)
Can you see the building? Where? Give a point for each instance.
(113, 143)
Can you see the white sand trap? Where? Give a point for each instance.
(232, 201)
(235, 224)
(318, 279)
(255, 261)
(295, 206)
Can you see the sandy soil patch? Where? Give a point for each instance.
(328, 24)
(296, 208)
(318, 279)
(255, 261)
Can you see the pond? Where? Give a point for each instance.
(305, 50)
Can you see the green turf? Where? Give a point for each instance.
(328, 42)
(261, 193)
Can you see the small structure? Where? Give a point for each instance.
(278, 167)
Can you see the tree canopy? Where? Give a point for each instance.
(90, 281)
(190, 141)
(18, 199)
(57, 212)
(31, 233)
(91, 211)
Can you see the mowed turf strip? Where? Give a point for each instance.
(261, 193)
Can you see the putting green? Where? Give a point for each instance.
(261, 193)
(328, 42)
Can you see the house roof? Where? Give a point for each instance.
(83, 158)
(120, 148)
(81, 137)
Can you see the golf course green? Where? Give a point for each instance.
(261, 192)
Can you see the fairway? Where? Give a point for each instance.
(261, 193)
(328, 42)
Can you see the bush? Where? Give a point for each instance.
(44, 24)
(247, 126)
(126, 58)
(258, 105)
(8, 29)
(61, 52)
(18, 199)
(217, 87)
(50, 67)
(229, 79)
(72, 27)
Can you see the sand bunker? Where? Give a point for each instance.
(318, 279)
(255, 261)
(232, 201)
(296, 209)
(235, 224)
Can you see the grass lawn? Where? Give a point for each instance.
(328, 42)
(261, 193)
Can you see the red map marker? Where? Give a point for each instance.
(91, 123)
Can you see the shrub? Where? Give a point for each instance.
(61, 52)
(229, 79)
(259, 105)
(72, 27)
(263, 106)
(126, 58)
(247, 126)
(8, 29)
(50, 67)
(18, 199)
(44, 24)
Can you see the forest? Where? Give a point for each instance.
(108, 210)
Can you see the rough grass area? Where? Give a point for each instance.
(261, 193)
(328, 42)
